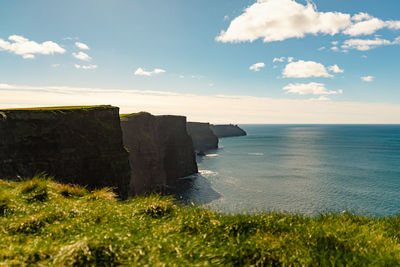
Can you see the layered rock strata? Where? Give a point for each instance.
(161, 151)
(203, 138)
(227, 130)
(77, 145)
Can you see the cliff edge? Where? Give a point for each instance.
(77, 145)
(203, 138)
(160, 150)
(227, 130)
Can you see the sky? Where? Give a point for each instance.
(225, 61)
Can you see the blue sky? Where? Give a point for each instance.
(182, 67)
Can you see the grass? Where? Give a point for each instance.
(60, 108)
(48, 224)
(129, 115)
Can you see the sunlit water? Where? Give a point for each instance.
(303, 169)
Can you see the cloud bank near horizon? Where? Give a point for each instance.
(214, 109)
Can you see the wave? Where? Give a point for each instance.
(207, 172)
(256, 154)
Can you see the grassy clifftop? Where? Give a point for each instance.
(45, 223)
(62, 108)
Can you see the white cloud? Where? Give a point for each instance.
(277, 20)
(393, 25)
(213, 108)
(365, 27)
(305, 69)
(334, 43)
(257, 66)
(335, 68)
(70, 38)
(55, 65)
(321, 48)
(367, 79)
(82, 56)
(278, 59)
(226, 17)
(361, 16)
(82, 46)
(142, 72)
(27, 49)
(323, 98)
(309, 89)
(86, 67)
(197, 77)
(365, 44)
(335, 48)
(290, 59)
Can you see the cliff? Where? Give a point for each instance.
(202, 136)
(79, 145)
(160, 150)
(227, 130)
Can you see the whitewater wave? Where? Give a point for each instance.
(207, 172)
(256, 154)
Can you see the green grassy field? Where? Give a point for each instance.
(45, 223)
(57, 108)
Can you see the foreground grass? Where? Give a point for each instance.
(45, 223)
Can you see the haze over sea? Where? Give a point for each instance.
(306, 169)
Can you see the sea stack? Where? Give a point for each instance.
(203, 138)
(227, 130)
(77, 145)
(161, 151)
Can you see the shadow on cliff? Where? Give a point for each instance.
(194, 189)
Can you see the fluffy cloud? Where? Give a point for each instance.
(309, 89)
(278, 59)
(277, 20)
(257, 66)
(142, 72)
(82, 56)
(368, 79)
(82, 46)
(27, 49)
(305, 69)
(361, 16)
(365, 44)
(86, 67)
(335, 68)
(365, 27)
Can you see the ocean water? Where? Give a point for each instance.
(307, 169)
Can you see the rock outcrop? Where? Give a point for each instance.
(160, 151)
(79, 145)
(227, 130)
(203, 138)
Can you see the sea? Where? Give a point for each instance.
(301, 169)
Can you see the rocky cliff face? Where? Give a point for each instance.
(227, 130)
(160, 150)
(203, 138)
(75, 145)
